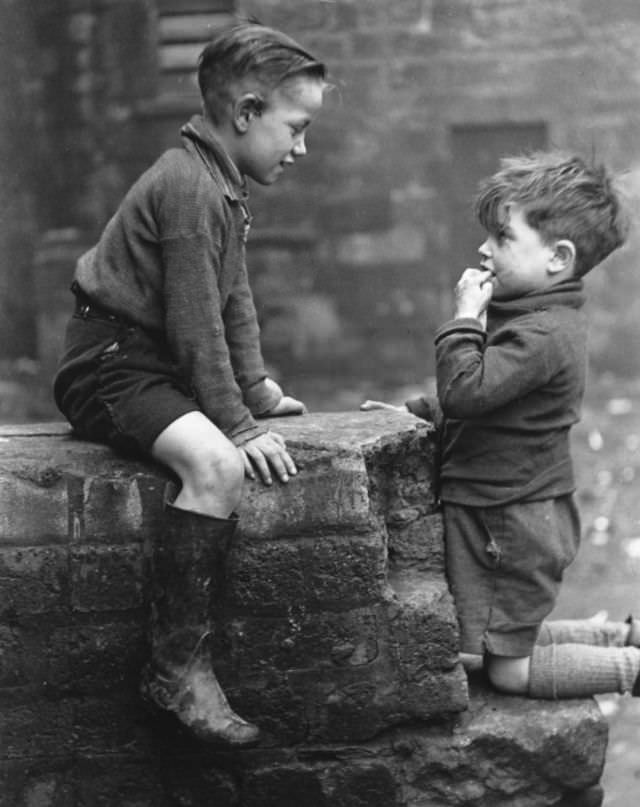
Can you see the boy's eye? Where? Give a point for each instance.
(297, 128)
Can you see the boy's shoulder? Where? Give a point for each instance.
(179, 178)
(555, 325)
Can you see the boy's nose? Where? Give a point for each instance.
(484, 250)
(299, 147)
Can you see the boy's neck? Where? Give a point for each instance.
(225, 137)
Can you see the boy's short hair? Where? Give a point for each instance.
(249, 50)
(562, 196)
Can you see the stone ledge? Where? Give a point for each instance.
(339, 640)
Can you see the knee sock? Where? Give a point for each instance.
(595, 631)
(580, 670)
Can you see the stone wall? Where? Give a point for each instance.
(339, 639)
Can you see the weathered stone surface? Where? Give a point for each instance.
(502, 752)
(338, 638)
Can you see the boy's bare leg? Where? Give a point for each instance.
(209, 466)
(508, 674)
(189, 561)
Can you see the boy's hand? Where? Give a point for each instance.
(288, 406)
(265, 453)
(473, 292)
(369, 406)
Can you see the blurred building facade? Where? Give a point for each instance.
(354, 252)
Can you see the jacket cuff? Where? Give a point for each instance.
(427, 408)
(263, 396)
(460, 325)
(240, 438)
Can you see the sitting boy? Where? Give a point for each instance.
(510, 372)
(162, 356)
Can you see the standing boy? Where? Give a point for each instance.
(510, 370)
(162, 356)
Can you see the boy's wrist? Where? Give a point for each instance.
(263, 396)
(466, 313)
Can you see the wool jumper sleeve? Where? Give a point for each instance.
(243, 340)
(196, 332)
(475, 378)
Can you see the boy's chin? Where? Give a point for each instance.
(268, 178)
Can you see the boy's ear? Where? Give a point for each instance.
(564, 256)
(247, 106)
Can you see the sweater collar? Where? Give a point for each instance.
(200, 133)
(568, 293)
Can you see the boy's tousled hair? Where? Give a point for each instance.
(250, 50)
(562, 196)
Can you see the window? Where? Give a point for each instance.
(184, 27)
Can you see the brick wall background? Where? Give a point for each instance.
(354, 251)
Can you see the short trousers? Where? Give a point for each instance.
(505, 565)
(118, 384)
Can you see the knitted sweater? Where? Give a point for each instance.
(172, 259)
(510, 396)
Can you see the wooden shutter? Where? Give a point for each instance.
(184, 27)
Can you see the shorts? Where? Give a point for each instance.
(118, 384)
(505, 565)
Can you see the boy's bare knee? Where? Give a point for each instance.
(509, 675)
(222, 472)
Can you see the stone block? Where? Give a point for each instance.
(107, 724)
(41, 654)
(119, 780)
(328, 492)
(34, 498)
(103, 657)
(417, 541)
(33, 727)
(267, 576)
(423, 628)
(332, 571)
(107, 578)
(284, 787)
(34, 580)
(41, 783)
(304, 640)
(110, 510)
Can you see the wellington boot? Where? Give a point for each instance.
(188, 589)
(191, 693)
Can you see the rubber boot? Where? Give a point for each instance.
(188, 571)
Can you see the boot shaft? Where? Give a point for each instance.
(188, 571)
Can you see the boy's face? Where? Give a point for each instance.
(519, 260)
(276, 136)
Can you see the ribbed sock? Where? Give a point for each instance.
(592, 631)
(579, 670)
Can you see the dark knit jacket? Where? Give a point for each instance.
(172, 259)
(510, 396)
